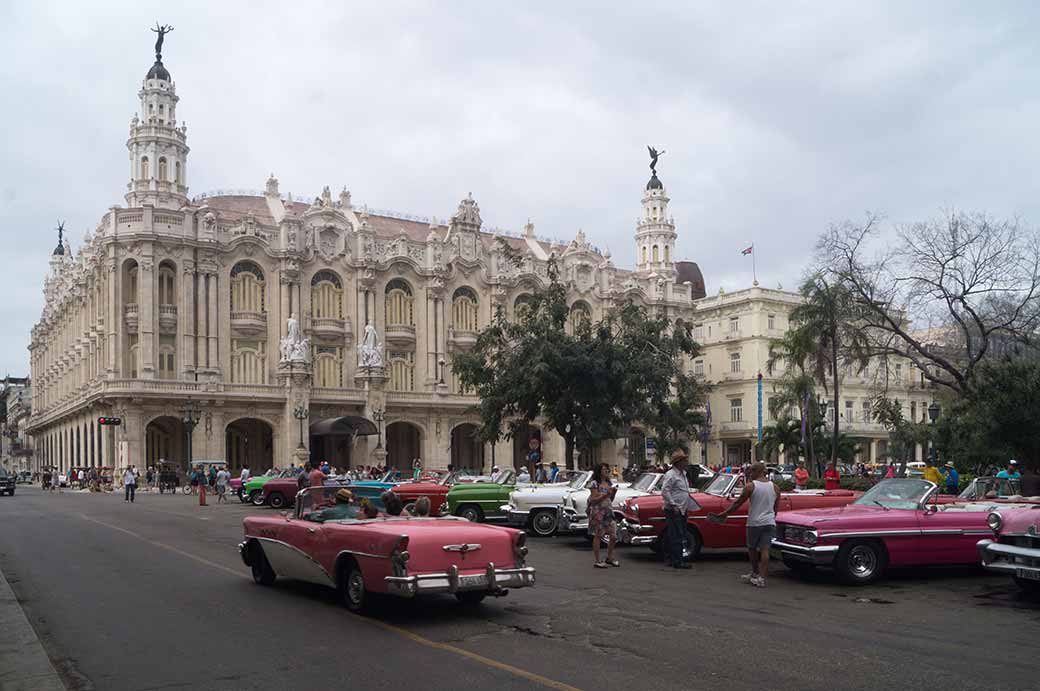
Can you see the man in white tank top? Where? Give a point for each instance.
(761, 522)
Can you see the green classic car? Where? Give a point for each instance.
(481, 501)
(250, 490)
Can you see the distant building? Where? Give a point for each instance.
(16, 445)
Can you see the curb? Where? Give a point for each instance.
(23, 662)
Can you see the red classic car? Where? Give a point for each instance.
(1014, 549)
(642, 519)
(278, 492)
(895, 523)
(403, 556)
(435, 489)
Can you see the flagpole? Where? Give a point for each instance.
(754, 271)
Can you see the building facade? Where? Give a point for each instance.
(320, 329)
(16, 444)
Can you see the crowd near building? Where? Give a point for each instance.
(265, 329)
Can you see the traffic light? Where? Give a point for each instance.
(109, 421)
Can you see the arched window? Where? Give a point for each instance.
(167, 277)
(667, 254)
(248, 362)
(657, 256)
(402, 371)
(130, 285)
(247, 288)
(144, 168)
(162, 170)
(580, 314)
(177, 172)
(399, 311)
(167, 368)
(328, 366)
(326, 296)
(464, 310)
(644, 253)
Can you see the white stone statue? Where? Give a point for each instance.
(294, 348)
(302, 351)
(370, 353)
(292, 329)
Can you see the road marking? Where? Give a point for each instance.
(414, 637)
(163, 545)
(476, 657)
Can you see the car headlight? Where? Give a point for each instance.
(810, 537)
(635, 508)
(994, 521)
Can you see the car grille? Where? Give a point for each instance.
(1029, 541)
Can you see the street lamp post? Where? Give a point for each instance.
(379, 416)
(301, 413)
(440, 371)
(933, 415)
(190, 415)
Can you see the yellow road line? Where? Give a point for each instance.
(414, 637)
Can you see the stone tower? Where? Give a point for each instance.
(655, 232)
(158, 147)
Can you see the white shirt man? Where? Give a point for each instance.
(129, 484)
(675, 490)
(244, 475)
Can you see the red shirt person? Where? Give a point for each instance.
(831, 477)
(316, 478)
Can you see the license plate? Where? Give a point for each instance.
(472, 581)
(1028, 574)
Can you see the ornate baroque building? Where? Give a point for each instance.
(251, 308)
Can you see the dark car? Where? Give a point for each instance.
(7, 481)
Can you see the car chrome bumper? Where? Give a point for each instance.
(513, 515)
(1023, 562)
(568, 521)
(820, 555)
(244, 553)
(493, 581)
(634, 534)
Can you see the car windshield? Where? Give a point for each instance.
(644, 482)
(392, 476)
(897, 494)
(503, 477)
(990, 488)
(721, 485)
(580, 480)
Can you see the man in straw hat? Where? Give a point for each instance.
(676, 493)
(343, 508)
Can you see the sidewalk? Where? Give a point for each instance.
(23, 662)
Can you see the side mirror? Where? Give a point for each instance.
(931, 508)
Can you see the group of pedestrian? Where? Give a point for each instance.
(215, 480)
(947, 477)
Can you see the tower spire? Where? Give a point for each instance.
(655, 231)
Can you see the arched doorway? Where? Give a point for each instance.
(334, 439)
(522, 443)
(164, 441)
(249, 442)
(403, 445)
(637, 448)
(467, 452)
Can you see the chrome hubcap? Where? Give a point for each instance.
(356, 587)
(544, 523)
(862, 561)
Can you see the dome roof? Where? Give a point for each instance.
(158, 72)
(654, 183)
(689, 271)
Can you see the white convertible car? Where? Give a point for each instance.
(537, 507)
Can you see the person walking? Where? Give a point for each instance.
(831, 477)
(244, 475)
(194, 480)
(761, 522)
(601, 515)
(129, 484)
(953, 479)
(200, 475)
(81, 477)
(416, 470)
(675, 490)
(223, 477)
(890, 471)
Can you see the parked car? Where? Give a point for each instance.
(895, 523)
(372, 489)
(1014, 548)
(402, 556)
(251, 489)
(537, 507)
(995, 488)
(573, 515)
(483, 501)
(643, 523)
(435, 490)
(7, 482)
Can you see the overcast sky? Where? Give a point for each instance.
(777, 118)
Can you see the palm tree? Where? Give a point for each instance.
(782, 436)
(796, 388)
(826, 332)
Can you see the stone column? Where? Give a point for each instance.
(212, 324)
(113, 316)
(146, 296)
(186, 321)
(296, 380)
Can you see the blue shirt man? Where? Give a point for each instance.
(953, 479)
(1012, 471)
(553, 471)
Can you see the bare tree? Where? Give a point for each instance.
(969, 284)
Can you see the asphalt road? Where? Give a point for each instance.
(153, 595)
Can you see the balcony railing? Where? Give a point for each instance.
(249, 323)
(130, 317)
(400, 334)
(167, 318)
(328, 327)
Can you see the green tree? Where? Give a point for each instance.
(679, 419)
(783, 435)
(585, 385)
(796, 388)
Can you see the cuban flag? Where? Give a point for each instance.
(748, 250)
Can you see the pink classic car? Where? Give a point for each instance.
(403, 556)
(895, 523)
(1015, 547)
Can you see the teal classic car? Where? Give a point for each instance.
(481, 501)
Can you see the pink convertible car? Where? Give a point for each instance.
(403, 556)
(895, 523)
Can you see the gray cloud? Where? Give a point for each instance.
(777, 117)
